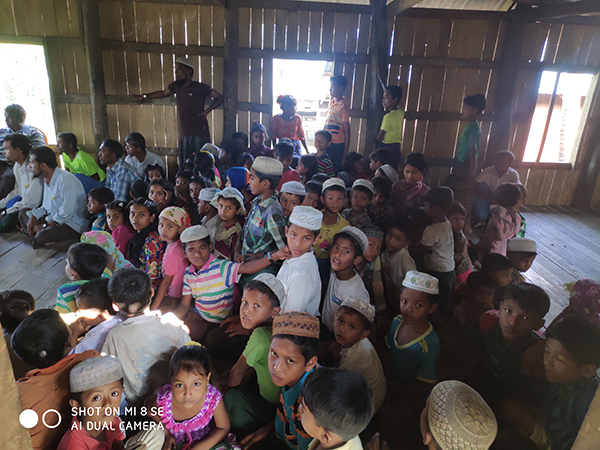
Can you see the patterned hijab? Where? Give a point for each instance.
(177, 215)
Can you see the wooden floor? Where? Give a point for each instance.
(568, 250)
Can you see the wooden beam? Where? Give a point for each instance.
(303, 5)
(556, 10)
(591, 168)
(178, 49)
(39, 40)
(398, 6)
(230, 68)
(177, 2)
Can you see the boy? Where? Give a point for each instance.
(138, 157)
(377, 159)
(337, 406)
(98, 198)
(522, 253)
(251, 405)
(285, 154)
(207, 213)
(500, 268)
(361, 196)
(337, 122)
(322, 144)
(352, 328)
(313, 194)
(291, 195)
(300, 273)
(15, 306)
(390, 133)
(475, 296)
(370, 268)
(462, 262)
(292, 357)
(346, 252)
(380, 210)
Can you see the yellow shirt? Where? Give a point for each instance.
(392, 125)
(324, 240)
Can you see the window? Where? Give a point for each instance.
(553, 136)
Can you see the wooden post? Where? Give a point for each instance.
(93, 53)
(590, 169)
(230, 66)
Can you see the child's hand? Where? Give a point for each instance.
(238, 258)
(255, 437)
(170, 442)
(78, 328)
(282, 253)
(374, 443)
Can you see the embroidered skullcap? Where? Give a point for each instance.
(207, 194)
(521, 245)
(177, 215)
(231, 193)
(268, 166)
(459, 419)
(272, 283)
(334, 182)
(213, 150)
(293, 187)
(95, 372)
(194, 233)
(364, 183)
(389, 172)
(357, 234)
(361, 305)
(420, 281)
(185, 61)
(307, 217)
(296, 324)
(373, 232)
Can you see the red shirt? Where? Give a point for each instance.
(77, 438)
(290, 175)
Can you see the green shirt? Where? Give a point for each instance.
(470, 136)
(83, 163)
(392, 125)
(257, 356)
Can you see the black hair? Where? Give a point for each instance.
(119, 205)
(349, 160)
(476, 101)
(142, 201)
(311, 164)
(204, 163)
(88, 260)
(358, 251)
(45, 155)
(240, 135)
(233, 148)
(309, 347)
(113, 146)
(40, 340)
(284, 149)
(273, 179)
(339, 80)
(506, 154)
(166, 185)
(396, 92)
(286, 100)
(243, 159)
(441, 197)
(150, 167)
(185, 175)
(404, 225)
(102, 195)
(190, 358)
(256, 285)
(382, 185)
(19, 141)
(138, 188)
(522, 189)
(15, 306)
(495, 262)
(352, 312)
(477, 280)
(94, 295)
(364, 190)
(579, 336)
(456, 207)
(320, 178)
(531, 298)
(418, 161)
(313, 187)
(326, 134)
(381, 155)
(16, 112)
(340, 400)
(130, 289)
(69, 138)
(507, 195)
(202, 181)
(136, 139)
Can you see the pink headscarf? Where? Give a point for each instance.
(584, 300)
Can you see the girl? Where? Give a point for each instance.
(307, 167)
(145, 249)
(171, 223)
(351, 169)
(161, 193)
(288, 124)
(230, 206)
(239, 177)
(98, 198)
(380, 210)
(205, 164)
(409, 193)
(153, 172)
(245, 160)
(105, 240)
(119, 226)
(259, 136)
(462, 262)
(230, 151)
(190, 408)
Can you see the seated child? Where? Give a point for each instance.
(162, 194)
(207, 211)
(313, 194)
(351, 169)
(476, 296)
(183, 198)
(501, 269)
(337, 406)
(322, 143)
(252, 404)
(584, 299)
(15, 306)
(291, 195)
(204, 165)
(138, 188)
(462, 262)
(284, 151)
(98, 198)
(388, 172)
(377, 159)
(409, 193)
(131, 292)
(370, 268)
(104, 240)
(246, 160)
(351, 329)
(292, 357)
(258, 135)
(228, 237)
(320, 178)
(84, 262)
(117, 220)
(361, 197)
(380, 210)
(154, 172)
(521, 253)
(239, 177)
(307, 167)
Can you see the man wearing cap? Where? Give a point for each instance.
(191, 96)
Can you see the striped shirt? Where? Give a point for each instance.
(337, 114)
(325, 165)
(212, 288)
(65, 295)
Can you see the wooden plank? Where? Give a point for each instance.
(256, 38)
(562, 53)
(179, 22)
(316, 19)
(269, 30)
(303, 28)
(244, 80)
(327, 36)
(552, 42)
(340, 31)
(46, 9)
(255, 79)
(292, 31)
(569, 188)
(364, 30)
(586, 45)
(166, 28)
(218, 26)
(75, 18)
(352, 41)
(62, 11)
(280, 24)
(534, 185)
(7, 23)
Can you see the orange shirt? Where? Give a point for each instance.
(337, 114)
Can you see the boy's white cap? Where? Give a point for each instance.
(390, 172)
(212, 149)
(459, 419)
(364, 183)
(361, 237)
(293, 187)
(361, 305)
(207, 194)
(307, 217)
(521, 245)
(232, 193)
(95, 372)
(420, 281)
(333, 182)
(185, 61)
(273, 283)
(268, 166)
(194, 233)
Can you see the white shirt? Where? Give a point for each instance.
(489, 176)
(363, 358)
(139, 342)
(64, 201)
(337, 292)
(27, 186)
(95, 338)
(212, 225)
(302, 282)
(150, 160)
(438, 237)
(352, 444)
(397, 265)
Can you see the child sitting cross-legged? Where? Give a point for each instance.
(313, 194)
(98, 198)
(291, 195)
(475, 296)
(252, 403)
(462, 262)
(15, 306)
(361, 196)
(231, 210)
(337, 406)
(388, 172)
(522, 253)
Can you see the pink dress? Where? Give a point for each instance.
(174, 264)
(504, 224)
(122, 235)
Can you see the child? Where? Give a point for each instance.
(285, 152)
(207, 211)
(204, 164)
(15, 306)
(462, 262)
(230, 151)
(499, 267)
(390, 134)
(361, 196)
(228, 237)
(98, 198)
(522, 253)
(154, 172)
(337, 406)
(198, 183)
(388, 172)
(161, 193)
(145, 249)
(307, 167)
(337, 121)
(292, 357)
(351, 169)
(84, 262)
(259, 136)
(409, 193)
(370, 268)
(118, 223)
(313, 195)
(246, 159)
(476, 297)
(291, 195)
(322, 143)
(239, 177)
(352, 327)
(523, 228)
(171, 223)
(288, 125)
(191, 409)
(377, 159)
(131, 292)
(300, 273)
(380, 210)
(252, 404)
(584, 299)
(346, 252)
(439, 242)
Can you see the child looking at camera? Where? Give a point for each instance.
(291, 195)
(313, 194)
(409, 193)
(361, 197)
(117, 220)
(322, 144)
(380, 210)
(98, 198)
(231, 210)
(285, 154)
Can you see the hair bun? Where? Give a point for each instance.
(280, 99)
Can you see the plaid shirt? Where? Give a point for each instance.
(265, 226)
(119, 178)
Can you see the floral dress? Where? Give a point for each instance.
(105, 240)
(152, 254)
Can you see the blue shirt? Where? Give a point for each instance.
(35, 136)
(119, 179)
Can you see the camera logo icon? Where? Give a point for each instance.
(29, 418)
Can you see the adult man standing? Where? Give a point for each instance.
(138, 157)
(60, 217)
(119, 175)
(191, 96)
(79, 163)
